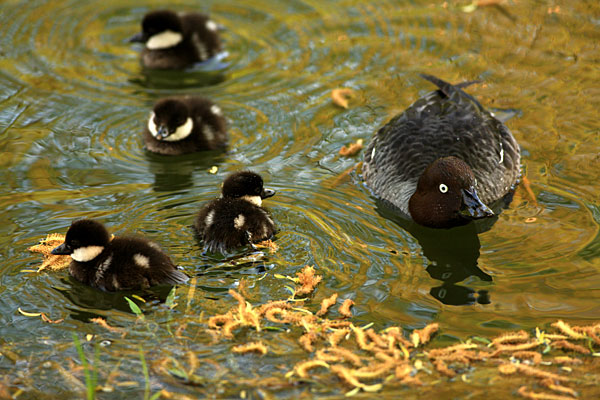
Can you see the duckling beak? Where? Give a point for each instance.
(473, 207)
(138, 38)
(162, 132)
(62, 250)
(267, 193)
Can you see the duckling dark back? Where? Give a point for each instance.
(180, 125)
(237, 218)
(121, 264)
(176, 41)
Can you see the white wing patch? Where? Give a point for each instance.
(164, 40)
(141, 260)
(215, 109)
(211, 25)
(210, 217)
(154, 245)
(115, 282)
(200, 47)
(209, 133)
(85, 254)
(239, 221)
(102, 268)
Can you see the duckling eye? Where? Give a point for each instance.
(443, 188)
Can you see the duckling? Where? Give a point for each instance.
(176, 41)
(123, 263)
(444, 160)
(236, 218)
(180, 125)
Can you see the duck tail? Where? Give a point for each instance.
(449, 89)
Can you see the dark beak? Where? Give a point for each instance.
(473, 208)
(267, 193)
(62, 250)
(138, 38)
(162, 132)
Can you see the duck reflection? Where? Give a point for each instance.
(453, 255)
(205, 74)
(177, 172)
(86, 300)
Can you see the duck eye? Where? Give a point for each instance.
(443, 188)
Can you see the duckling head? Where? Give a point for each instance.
(246, 185)
(170, 120)
(161, 29)
(84, 241)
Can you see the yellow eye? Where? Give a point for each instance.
(443, 188)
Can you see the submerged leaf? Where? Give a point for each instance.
(134, 307)
(29, 314)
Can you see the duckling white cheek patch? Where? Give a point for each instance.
(182, 132)
(152, 125)
(164, 40)
(85, 254)
(256, 200)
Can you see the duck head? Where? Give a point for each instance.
(246, 185)
(84, 241)
(446, 195)
(161, 29)
(170, 120)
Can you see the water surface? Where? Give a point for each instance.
(73, 100)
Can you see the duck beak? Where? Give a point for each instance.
(138, 38)
(267, 193)
(162, 132)
(62, 250)
(473, 208)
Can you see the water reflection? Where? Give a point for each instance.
(453, 255)
(173, 173)
(86, 299)
(208, 73)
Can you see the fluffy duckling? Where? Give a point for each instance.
(443, 160)
(180, 125)
(236, 218)
(177, 41)
(124, 263)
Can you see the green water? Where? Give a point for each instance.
(74, 99)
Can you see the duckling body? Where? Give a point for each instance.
(180, 125)
(237, 218)
(177, 41)
(124, 263)
(450, 125)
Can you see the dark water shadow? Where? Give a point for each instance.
(208, 73)
(177, 172)
(453, 253)
(86, 299)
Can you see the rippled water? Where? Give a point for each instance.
(73, 101)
